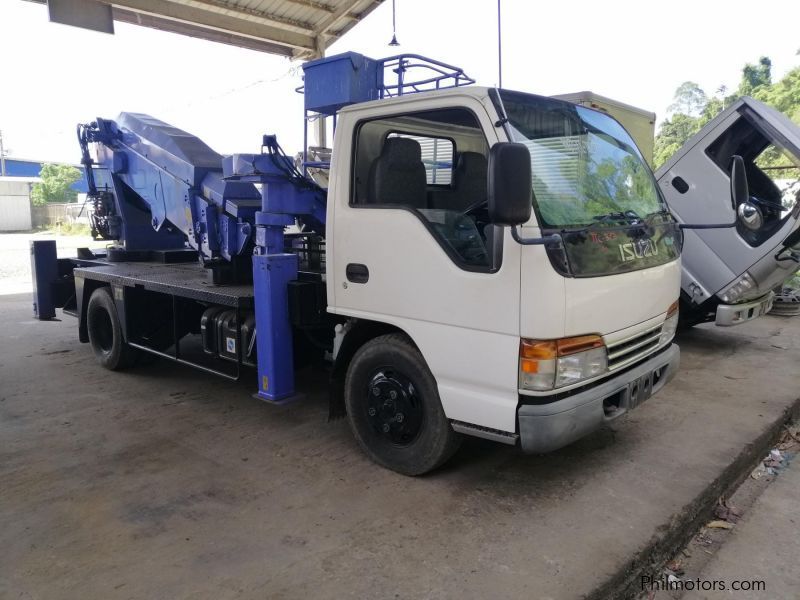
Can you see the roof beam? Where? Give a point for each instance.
(314, 4)
(227, 7)
(336, 16)
(136, 18)
(204, 19)
(355, 18)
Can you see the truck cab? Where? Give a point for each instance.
(535, 334)
(729, 273)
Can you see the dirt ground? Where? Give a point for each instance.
(163, 482)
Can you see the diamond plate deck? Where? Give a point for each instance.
(185, 280)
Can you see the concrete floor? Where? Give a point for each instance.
(763, 547)
(163, 482)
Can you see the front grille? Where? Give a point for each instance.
(630, 350)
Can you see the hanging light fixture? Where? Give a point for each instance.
(394, 41)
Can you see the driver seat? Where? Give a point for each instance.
(470, 179)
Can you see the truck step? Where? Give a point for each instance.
(496, 435)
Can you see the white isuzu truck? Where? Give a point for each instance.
(483, 262)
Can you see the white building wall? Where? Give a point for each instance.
(15, 204)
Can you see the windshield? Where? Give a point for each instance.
(591, 184)
(585, 166)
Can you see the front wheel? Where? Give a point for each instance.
(394, 409)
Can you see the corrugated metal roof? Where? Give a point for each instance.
(295, 28)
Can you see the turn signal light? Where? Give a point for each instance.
(673, 309)
(544, 365)
(670, 325)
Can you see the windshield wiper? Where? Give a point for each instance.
(628, 216)
(621, 219)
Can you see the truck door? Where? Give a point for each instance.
(409, 244)
(696, 183)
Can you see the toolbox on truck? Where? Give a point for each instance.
(335, 82)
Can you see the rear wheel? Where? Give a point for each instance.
(105, 332)
(394, 409)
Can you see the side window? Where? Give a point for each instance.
(433, 163)
(773, 173)
(438, 156)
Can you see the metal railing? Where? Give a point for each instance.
(439, 75)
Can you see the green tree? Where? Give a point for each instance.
(56, 184)
(672, 135)
(784, 95)
(689, 99)
(756, 76)
(692, 109)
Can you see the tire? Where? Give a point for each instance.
(394, 409)
(105, 332)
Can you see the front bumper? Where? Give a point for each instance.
(735, 314)
(547, 427)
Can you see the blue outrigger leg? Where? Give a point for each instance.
(285, 195)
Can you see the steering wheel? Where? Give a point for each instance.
(475, 206)
(461, 230)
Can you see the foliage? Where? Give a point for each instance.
(692, 107)
(56, 184)
(673, 134)
(755, 77)
(689, 99)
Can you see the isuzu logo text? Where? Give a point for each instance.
(638, 249)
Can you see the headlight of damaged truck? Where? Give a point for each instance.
(734, 292)
(545, 365)
(670, 325)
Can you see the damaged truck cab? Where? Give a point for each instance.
(728, 274)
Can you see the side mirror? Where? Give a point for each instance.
(748, 214)
(740, 191)
(509, 190)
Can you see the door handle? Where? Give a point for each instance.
(357, 273)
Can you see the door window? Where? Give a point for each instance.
(773, 173)
(434, 164)
(437, 156)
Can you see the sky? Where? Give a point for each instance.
(636, 51)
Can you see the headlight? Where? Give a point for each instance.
(733, 293)
(670, 325)
(544, 365)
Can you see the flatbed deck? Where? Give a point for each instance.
(189, 280)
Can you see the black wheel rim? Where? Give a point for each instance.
(102, 330)
(394, 407)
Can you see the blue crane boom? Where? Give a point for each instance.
(156, 187)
